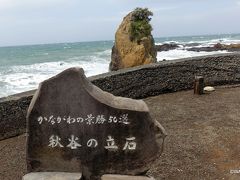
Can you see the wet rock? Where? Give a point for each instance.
(191, 44)
(166, 47)
(217, 47)
(206, 49)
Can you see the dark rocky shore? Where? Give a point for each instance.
(216, 47)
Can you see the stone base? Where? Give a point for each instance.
(77, 176)
(52, 176)
(124, 177)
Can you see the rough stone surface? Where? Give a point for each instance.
(52, 176)
(127, 53)
(124, 177)
(75, 126)
(140, 82)
(188, 47)
(13, 112)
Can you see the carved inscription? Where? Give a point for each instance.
(90, 119)
(55, 141)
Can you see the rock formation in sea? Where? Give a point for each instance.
(195, 47)
(217, 47)
(166, 47)
(134, 43)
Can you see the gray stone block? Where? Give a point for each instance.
(124, 177)
(77, 176)
(52, 176)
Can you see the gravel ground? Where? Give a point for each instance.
(12, 158)
(203, 139)
(203, 135)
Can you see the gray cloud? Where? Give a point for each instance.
(50, 21)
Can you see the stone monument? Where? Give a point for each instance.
(73, 126)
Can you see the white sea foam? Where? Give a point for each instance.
(179, 53)
(203, 43)
(27, 77)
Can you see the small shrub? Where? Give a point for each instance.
(140, 26)
(140, 14)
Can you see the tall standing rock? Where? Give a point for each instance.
(130, 51)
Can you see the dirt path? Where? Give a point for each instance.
(203, 138)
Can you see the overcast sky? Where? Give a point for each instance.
(52, 21)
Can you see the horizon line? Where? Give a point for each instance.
(92, 41)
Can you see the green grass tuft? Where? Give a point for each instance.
(140, 26)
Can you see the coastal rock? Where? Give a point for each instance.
(231, 47)
(166, 47)
(227, 47)
(206, 49)
(127, 52)
(217, 47)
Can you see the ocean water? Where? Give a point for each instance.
(22, 68)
